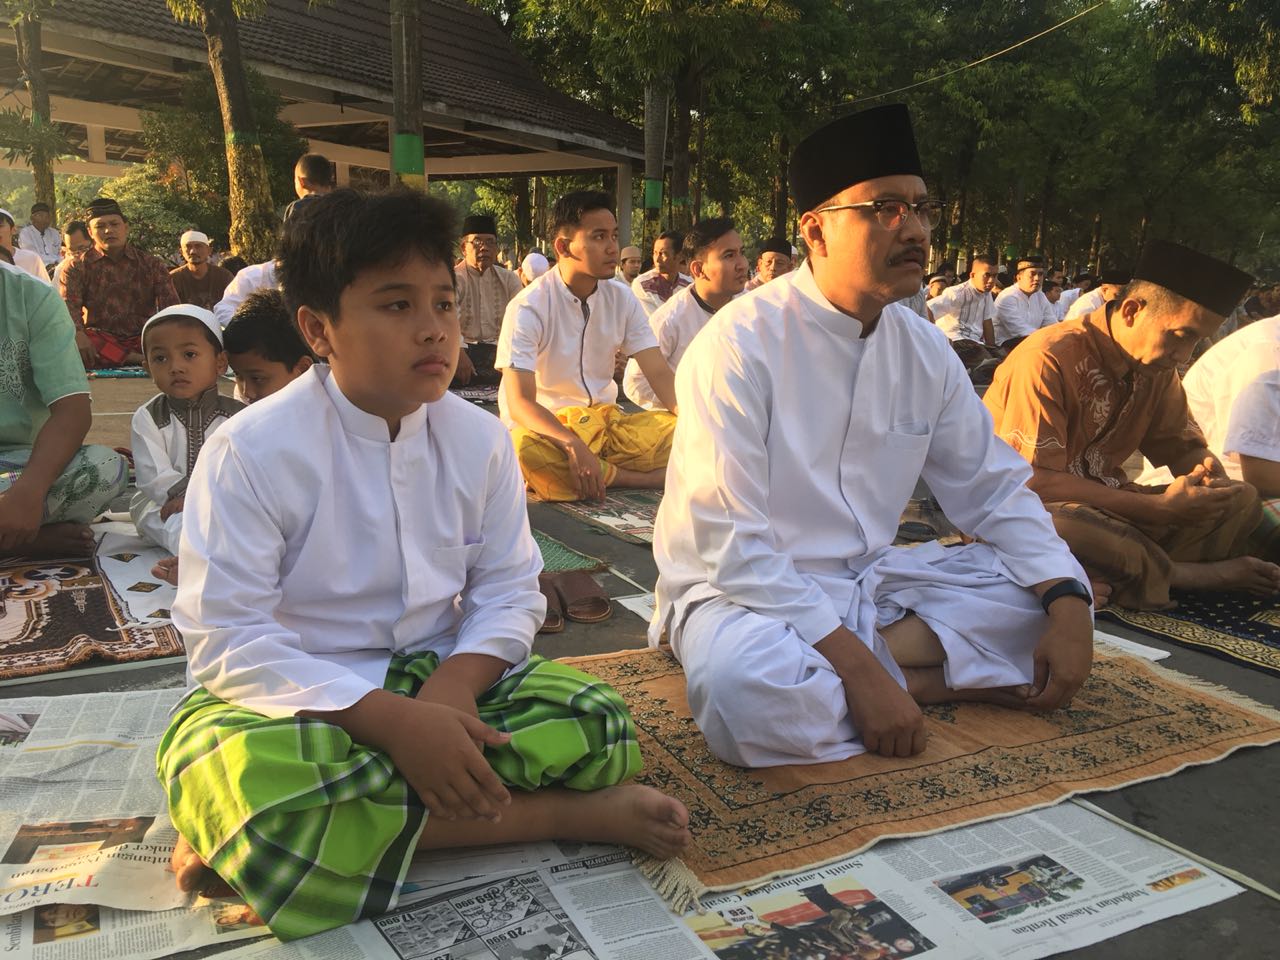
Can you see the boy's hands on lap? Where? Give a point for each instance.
(172, 505)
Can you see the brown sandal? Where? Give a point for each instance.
(581, 598)
(554, 620)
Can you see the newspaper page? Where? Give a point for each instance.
(1023, 887)
(86, 931)
(82, 817)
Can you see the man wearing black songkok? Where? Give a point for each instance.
(1078, 399)
(485, 287)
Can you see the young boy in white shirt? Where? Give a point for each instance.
(359, 599)
(264, 348)
(560, 336)
(182, 350)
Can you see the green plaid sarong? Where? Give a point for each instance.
(315, 831)
(1264, 542)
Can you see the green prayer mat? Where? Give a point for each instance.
(559, 558)
(315, 831)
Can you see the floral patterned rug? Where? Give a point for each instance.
(1133, 721)
(63, 616)
(1230, 626)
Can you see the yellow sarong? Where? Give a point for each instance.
(633, 441)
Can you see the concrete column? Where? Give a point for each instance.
(342, 172)
(97, 136)
(624, 204)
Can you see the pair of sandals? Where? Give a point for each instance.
(572, 596)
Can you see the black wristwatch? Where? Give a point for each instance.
(1066, 588)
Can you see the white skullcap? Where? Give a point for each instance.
(534, 265)
(192, 236)
(6, 213)
(191, 312)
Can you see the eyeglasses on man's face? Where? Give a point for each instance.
(892, 214)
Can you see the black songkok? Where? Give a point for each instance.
(1214, 285)
(1117, 277)
(103, 207)
(479, 223)
(861, 146)
(775, 245)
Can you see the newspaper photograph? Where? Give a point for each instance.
(83, 818)
(1024, 887)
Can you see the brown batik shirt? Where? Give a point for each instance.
(1069, 399)
(116, 295)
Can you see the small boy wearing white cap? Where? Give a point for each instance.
(182, 350)
(198, 281)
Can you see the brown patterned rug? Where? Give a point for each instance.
(62, 616)
(1133, 721)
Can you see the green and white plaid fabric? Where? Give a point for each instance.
(315, 831)
(1265, 540)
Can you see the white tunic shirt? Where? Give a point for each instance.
(30, 262)
(959, 311)
(1018, 314)
(569, 344)
(315, 547)
(675, 324)
(1085, 303)
(251, 279)
(45, 244)
(1233, 392)
(798, 446)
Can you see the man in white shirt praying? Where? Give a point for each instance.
(556, 352)
(1022, 308)
(359, 597)
(485, 287)
(1110, 283)
(40, 236)
(714, 251)
(965, 313)
(809, 411)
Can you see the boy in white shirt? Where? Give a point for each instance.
(714, 251)
(182, 350)
(556, 350)
(359, 599)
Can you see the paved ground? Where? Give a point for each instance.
(1221, 811)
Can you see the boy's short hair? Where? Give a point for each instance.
(263, 326)
(704, 233)
(192, 322)
(348, 231)
(317, 168)
(569, 210)
(75, 226)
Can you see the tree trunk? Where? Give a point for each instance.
(1015, 215)
(702, 143)
(655, 151)
(1095, 244)
(27, 33)
(1046, 198)
(681, 134)
(539, 212)
(253, 221)
(780, 188)
(407, 164)
(524, 216)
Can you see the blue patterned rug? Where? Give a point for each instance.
(1231, 626)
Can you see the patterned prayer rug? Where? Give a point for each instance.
(627, 514)
(1133, 721)
(1231, 626)
(560, 558)
(62, 616)
(484, 393)
(117, 373)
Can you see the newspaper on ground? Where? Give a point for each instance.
(82, 816)
(641, 604)
(1023, 887)
(1130, 646)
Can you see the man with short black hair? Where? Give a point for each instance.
(655, 287)
(1078, 399)
(199, 281)
(965, 313)
(40, 236)
(1020, 307)
(713, 249)
(75, 240)
(774, 261)
(313, 176)
(484, 290)
(556, 353)
(112, 289)
(1110, 283)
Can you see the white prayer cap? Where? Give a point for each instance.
(191, 312)
(192, 236)
(6, 213)
(534, 265)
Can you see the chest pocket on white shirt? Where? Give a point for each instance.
(449, 566)
(906, 446)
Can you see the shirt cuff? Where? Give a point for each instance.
(815, 622)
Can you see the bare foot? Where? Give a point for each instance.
(927, 685)
(188, 868)
(167, 570)
(634, 815)
(1242, 573)
(1101, 593)
(59, 541)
